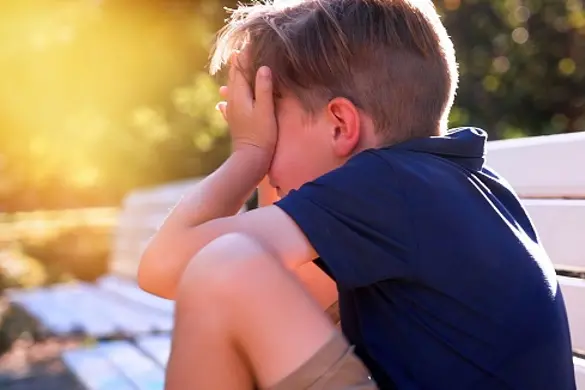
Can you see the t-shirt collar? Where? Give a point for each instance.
(463, 145)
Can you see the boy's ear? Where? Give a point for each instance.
(345, 124)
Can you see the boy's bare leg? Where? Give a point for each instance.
(241, 317)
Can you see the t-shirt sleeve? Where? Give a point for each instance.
(358, 222)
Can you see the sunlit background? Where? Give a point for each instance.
(98, 98)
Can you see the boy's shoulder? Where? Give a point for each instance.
(403, 165)
(401, 176)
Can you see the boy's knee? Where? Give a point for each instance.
(226, 265)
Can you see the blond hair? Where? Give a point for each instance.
(392, 58)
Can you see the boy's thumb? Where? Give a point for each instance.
(222, 107)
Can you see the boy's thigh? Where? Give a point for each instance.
(275, 322)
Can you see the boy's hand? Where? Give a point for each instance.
(252, 121)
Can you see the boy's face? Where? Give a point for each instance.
(306, 147)
(312, 144)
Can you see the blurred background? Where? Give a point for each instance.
(98, 98)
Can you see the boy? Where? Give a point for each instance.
(442, 282)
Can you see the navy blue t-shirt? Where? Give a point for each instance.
(442, 281)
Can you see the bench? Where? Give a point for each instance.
(130, 328)
(121, 364)
(113, 306)
(542, 169)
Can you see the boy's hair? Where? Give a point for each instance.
(392, 58)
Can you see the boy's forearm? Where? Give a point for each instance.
(221, 194)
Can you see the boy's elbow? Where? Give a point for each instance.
(152, 277)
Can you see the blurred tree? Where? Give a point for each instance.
(100, 97)
(522, 65)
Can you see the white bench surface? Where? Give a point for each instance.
(143, 212)
(574, 294)
(97, 311)
(113, 365)
(546, 166)
(579, 372)
(561, 226)
(95, 371)
(158, 347)
(130, 291)
(142, 371)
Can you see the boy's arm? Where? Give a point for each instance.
(207, 212)
(181, 238)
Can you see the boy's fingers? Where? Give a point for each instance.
(222, 107)
(239, 90)
(223, 91)
(264, 91)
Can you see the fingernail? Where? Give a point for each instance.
(264, 71)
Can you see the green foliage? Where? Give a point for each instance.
(101, 97)
(45, 247)
(20, 271)
(16, 324)
(82, 252)
(522, 65)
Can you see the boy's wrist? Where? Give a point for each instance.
(224, 191)
(255, 161)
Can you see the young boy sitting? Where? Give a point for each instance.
(441, 279)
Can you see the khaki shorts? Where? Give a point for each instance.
(333, 367)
